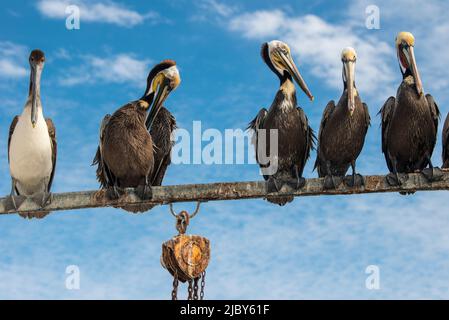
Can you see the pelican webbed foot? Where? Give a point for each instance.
(273, 185)
(394, 180)
(144, 191)
(297, 183)
(34, 214)
(42, 199)
(354, 180)
(432, 174)
(114, 192)
(331, 182)
(14, 202)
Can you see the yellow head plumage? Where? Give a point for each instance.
(348, 54)
(405, 37)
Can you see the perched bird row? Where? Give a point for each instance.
(409, 125)
(135, 141)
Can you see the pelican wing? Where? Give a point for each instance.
(367, 116)
(11, 131)
(386, 113)
(54, 149)
(255, 125)
(310, 135)
(445, 142)
(434, 111)
(330, 107)
(257, 122)
(161, 132)
(104, 175)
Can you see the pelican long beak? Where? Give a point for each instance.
(293, 70)
(163, 91)
(349, 67)
(35, 75)
(410, 54)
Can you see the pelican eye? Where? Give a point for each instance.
(405, 44)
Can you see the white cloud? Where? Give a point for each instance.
(106, 11)
(258, 24)
(428, 23)
(318, 44)
(12, 60)
(11, 69)
(121, 68)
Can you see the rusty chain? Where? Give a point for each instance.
(203, 284)
(182, 222)
(174, 293)
(195, 288)
(190, 290)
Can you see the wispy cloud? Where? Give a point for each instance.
(121, 68)
(219, 8)
(318, 43)
(106, 12)
(12, 63)
(62, 54)
(213, 9)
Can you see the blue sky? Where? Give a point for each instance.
(311, 248)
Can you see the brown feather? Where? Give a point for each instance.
(295, 136)
(54, 149)
(409, 129)
(445, 137)
(125, 155)
(161, 132)
(341, 136)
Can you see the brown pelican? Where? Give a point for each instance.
(32, 146)
(446, 143)
(135, 144)
(295, 137)
(409, 121)
(343, 130)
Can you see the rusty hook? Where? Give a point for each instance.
(174, 214)
(196, 209)
(183, 217)
(172, 211)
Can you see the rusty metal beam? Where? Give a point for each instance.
(224, 191)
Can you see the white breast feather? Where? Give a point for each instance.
(30, 153)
